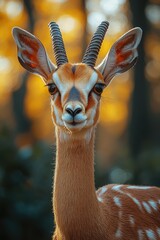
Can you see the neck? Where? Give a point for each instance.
(75, 201)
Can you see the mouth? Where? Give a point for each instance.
(74, 126)
(74, 123)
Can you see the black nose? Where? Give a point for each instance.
(73, 112)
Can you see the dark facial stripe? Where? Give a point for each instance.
(74, 94)
(73, 69)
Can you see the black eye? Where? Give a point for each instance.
(52, 88)
(98, 88)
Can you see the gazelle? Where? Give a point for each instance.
(114, 211)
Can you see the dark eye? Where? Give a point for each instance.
(52, 88)
(98, 88)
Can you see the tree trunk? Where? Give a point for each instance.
(23, 124)
(139, 128)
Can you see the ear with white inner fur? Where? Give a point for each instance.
(122, 55)
(31, 54)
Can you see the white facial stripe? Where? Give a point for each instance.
(56, 113)
(60, 84)
(92, 81)
(57, 81)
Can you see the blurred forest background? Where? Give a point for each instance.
(128, 134)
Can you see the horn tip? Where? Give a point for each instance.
(106, 23)
(52, 23)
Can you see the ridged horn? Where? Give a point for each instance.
(93, 48)
(58, 44)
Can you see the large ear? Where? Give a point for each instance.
(122, 55)
(31, 54)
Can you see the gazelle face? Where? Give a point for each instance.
(76, 89)
(75, 95)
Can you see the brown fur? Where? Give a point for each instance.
(77, 212)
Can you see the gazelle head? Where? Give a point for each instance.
(76, 89)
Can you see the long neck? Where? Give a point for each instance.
(75, 201)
